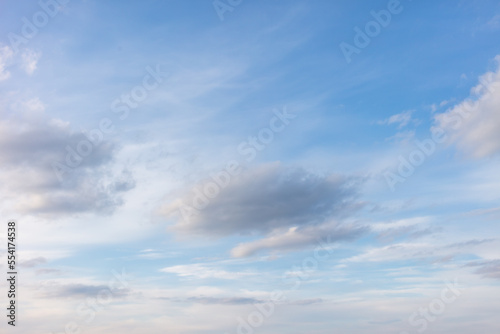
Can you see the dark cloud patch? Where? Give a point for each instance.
(487, 269)
(268, 198)
(40, 143)
(29, 150)
(123, 185)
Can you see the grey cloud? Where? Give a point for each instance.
(271, 197)
(82, 290)
(33, 262)
(123, 185)
(487, 269)
(28, 149)
(40, 142)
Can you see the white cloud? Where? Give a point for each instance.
(296, 238)
(473, 125)
(6, 54)
(203, 271)
(28, 61)
(402, 119)
(430, 250)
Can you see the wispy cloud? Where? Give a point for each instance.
(401, 119)
(296, 238)
(33, 262)
(203, 271)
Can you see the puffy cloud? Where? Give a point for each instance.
(48, 271)
(27, 61)
(30, 147)
(269, 197)
(474, 124)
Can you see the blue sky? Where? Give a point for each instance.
(224, 152)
